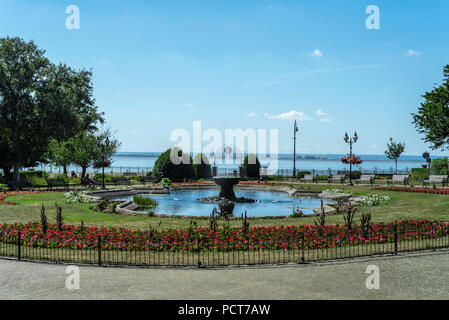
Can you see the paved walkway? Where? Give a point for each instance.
(412, 276)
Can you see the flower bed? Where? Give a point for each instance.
(223, 239)
(416, 189)
(375, 200)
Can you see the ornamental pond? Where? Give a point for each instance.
(268, 204)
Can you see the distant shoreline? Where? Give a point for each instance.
(299, 157)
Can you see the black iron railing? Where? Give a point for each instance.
(301, 250)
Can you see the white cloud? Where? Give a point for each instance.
(412, 52)
(292, 115)
(326, 120)
(316, 53)
(320, 113)
(251, 114)
(188, 104)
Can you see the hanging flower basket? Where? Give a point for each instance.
(102, 164)
(351, 160)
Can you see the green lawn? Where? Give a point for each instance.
(403, 205)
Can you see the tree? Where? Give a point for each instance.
(175, 165)
(439, 166)
(39, 102)
(432, 118)
(251, 166)
(59, 154)
(394, 151)
(85, 150)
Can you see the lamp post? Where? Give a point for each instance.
(295, 130)
(350, 141)
(102, 146)
(426, 156)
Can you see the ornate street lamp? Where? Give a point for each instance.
(426, 156)
(295, 131)
(102, 146)
(350, 141)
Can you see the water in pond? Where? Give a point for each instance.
(271, 203)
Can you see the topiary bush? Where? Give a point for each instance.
(202, 167)
(419, 174)
(32, 173)
(439, 166)
(251, 166)
(301, 174)
(165, 168)
(356, 174)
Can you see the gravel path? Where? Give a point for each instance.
(411, 276)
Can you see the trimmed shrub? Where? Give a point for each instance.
(99, 178)
(40, 174)
(419, 174)
(439, 166)
(202, 166)
(165, 168)
(301, 174)
(356, 174)
(251, 166)
(36, 181)
(62, 177)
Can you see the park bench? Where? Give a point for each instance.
(366, 178)
(145, 179)
(263, 173)
(337, 178)
(59, 184)
(130, 174)
(399, 178)
(309, 177)
(434, 179)
(121, 181)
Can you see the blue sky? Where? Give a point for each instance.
(160, 65)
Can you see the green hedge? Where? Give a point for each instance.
(419, 174)
(39, 174)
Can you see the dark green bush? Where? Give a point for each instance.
(325, 178)
(99, 178)
(62, 177)
(301, 174)
(36, 182)
(419, 174)
(356, 174)
(40, 174)
(165, 168)
(251, 166)
(277, 177)
(439, 166)
(202, 167)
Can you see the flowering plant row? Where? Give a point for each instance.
(375, 200)
(221, 239)
(77, 196)
(416, 189)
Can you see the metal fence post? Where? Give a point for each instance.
(395, 239)
(99, 251)
(19, 245)
(303, 245)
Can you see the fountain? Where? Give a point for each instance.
(227, 187)
(227, 195)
